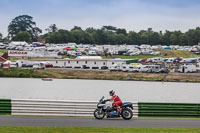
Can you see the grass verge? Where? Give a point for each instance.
(94, 130)
(20, 73)
(3, 50)
(95, 74)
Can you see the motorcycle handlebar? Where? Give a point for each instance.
(104, 101)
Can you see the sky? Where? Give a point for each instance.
(133, 15)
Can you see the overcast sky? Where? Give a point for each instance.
(129, 14)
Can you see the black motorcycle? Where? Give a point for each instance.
(108, 110)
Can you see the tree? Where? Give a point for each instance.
(109, 28)
(77, 36)
(154, 38)
(193, 36)
(22, 36)
(113, 35)
(24, 23)
(133, 38)
(65, 36)
(175, 38)
(121, 39)
(165, 39)
(121, 31)
(183, 40)
(144, 39)
(1, 36)
(100, 37)
(52, 28)
(54, 37)
(76, 28)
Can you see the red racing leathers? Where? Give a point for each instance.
(117, 101)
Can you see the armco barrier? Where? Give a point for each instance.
(56, 107)
(5, 106)
(169, 109)
(86, 108)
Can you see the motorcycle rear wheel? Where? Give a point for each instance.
(127, 114)
(99, 115)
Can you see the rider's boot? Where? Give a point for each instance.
(119, 109)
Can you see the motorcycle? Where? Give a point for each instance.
(104, 109)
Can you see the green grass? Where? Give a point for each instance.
(3, 50)
(21, 73)
(176, 53)
(164, 54)
(94, 130)
(87, 74)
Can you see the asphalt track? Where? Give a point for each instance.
(91, 122)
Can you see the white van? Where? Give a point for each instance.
(150, 68)
(115, 67)
(92, 53)
(187, 68)
(127, 68)
(38, 65)
(157, 59)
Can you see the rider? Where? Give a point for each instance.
(117, 101)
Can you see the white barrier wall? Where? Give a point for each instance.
(56, 107)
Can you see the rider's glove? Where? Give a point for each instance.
(107, 100)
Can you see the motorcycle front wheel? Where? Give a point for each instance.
(99, 114)
(127, 114)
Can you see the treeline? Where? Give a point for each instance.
(23, 28)
(112, 35)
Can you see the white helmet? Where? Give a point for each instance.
(112, 93)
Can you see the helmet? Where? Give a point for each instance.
(112, 93)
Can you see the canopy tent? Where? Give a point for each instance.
(73, 47)
(70, 48)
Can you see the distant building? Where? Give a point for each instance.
(80, 63)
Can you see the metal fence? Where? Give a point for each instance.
(56, 107)
(5, 106)
(169, 109)
(86, 108)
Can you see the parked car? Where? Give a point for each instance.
(2, 46)
(177, 60)
(163, 70)
(48, 65)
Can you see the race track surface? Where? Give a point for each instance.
(91, 122)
